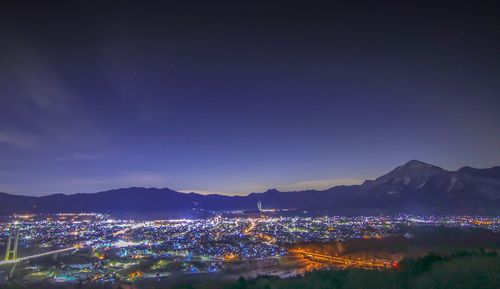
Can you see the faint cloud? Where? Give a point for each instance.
(108, 182)
(17, 140)
(322, 184)
(37, 81)
(244, 190)
(203, 192)
(79, 157)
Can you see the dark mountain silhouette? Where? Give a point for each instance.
(415, 187)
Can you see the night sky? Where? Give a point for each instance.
(234, 98)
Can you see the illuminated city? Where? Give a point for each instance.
(97, 248)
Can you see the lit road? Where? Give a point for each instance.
(266, 239)
(367, 263)
(37, 256)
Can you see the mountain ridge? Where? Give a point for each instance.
(414, 187)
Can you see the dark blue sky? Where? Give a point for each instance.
(233, 98)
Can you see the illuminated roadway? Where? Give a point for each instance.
(37, 256)
(381, 264)
(373, 263)
(266, 239)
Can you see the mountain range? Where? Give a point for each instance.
(415, 187)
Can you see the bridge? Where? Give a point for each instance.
(4, 262)
(348, 262)
(11, 253)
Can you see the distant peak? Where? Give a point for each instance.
(466, 168)
(413, 163)
(413, 168)
(273, 190)
(416, 165)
